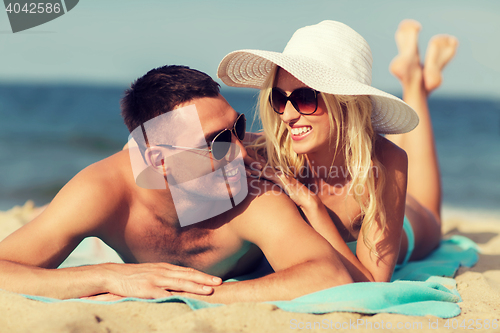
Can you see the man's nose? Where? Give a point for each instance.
(235, 148)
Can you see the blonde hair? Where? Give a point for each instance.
(351, 127)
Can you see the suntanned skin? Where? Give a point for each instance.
(163, 258)
(412, 180)
(334, 203)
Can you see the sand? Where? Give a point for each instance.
(479, 287)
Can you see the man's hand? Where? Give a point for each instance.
(151, 280)
(155, 280)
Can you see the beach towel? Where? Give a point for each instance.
(420, 288)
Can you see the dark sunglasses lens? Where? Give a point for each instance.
(278, 101)
(221, 144)
(240, 127)
(305, 100)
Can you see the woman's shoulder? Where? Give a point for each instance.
(389, 154)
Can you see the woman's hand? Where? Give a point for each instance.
(298, 192)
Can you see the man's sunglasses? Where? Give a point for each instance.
(219, 147)
(304, 100)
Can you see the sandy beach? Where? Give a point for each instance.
(479, 287)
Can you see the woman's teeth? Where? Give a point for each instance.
(300, 130)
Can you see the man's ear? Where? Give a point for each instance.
(156, 159)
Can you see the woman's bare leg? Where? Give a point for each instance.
(424, 182)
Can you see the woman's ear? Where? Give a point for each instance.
(156, 159)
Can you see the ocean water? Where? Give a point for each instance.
(48, 133)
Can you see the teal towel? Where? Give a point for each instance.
(417, 289)
(454, 252)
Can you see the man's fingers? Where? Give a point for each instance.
(149, 294)
(177, 284)
(189, 274)
(193, 276)
(154, 280)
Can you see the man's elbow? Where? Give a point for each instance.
(332, 275)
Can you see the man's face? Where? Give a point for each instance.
(178, 149)
(196, 171)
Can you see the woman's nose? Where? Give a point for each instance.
(289, 113)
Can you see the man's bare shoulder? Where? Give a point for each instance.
(97, 191)
(259, 190)
(87, 205)
(271, 220)
(265, 202)
(114, 172)
(263, 193)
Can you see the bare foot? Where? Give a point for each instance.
(440, 51)
(407, 63)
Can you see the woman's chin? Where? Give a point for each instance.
(310, 147)
(301, 148)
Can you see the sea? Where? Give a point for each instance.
(50, 132)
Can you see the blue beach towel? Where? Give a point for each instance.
(418, 289)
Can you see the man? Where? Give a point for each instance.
(142, 225)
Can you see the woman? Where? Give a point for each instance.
(377, 205)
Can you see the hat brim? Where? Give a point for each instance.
(250, 69)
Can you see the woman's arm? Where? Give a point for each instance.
(365, 265)
(395, 162)
(316, 214)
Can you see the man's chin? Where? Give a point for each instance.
(216, 187)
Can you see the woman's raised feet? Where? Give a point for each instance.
(440, 51)
(406, 65)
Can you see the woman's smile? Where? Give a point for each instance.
(299, 132)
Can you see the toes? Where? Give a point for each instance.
(407, 37)
(440, 51)
(410, 23)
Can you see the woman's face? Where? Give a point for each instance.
(309, 133)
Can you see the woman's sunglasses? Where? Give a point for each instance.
(221, 143)
(304, 100)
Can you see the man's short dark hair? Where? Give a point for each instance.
(162, 89)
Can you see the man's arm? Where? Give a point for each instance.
(303, 261)
(91, 202)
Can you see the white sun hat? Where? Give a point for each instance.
(329, 57)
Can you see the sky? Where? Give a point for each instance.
(113, 42)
